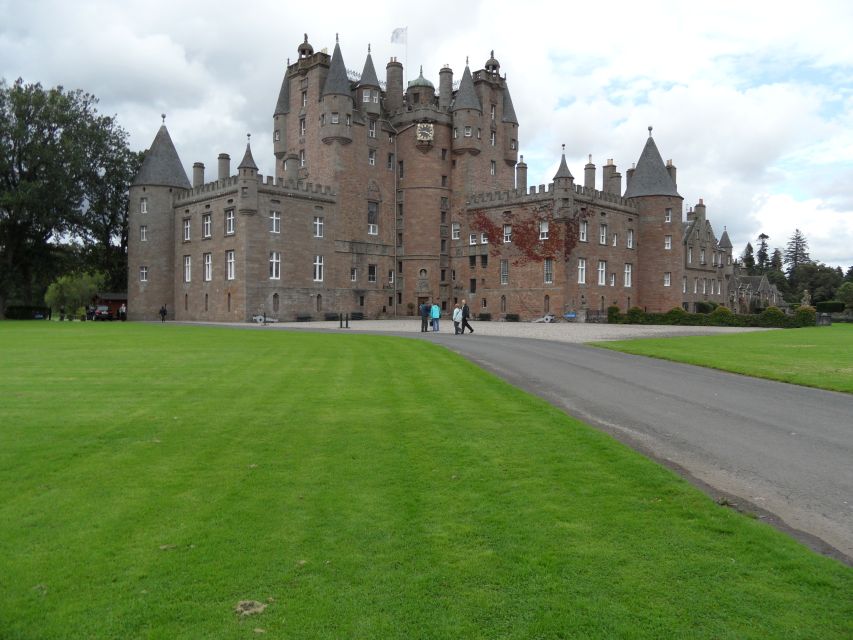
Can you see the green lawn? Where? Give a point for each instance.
(814, 357)
(362, 487)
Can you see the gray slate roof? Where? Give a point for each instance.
(509, 111)
(283, 104)
(162, 167)
(337, 81)
(725, 243)
(466, 97)
(248, 162)
(563, 171)
(368, 75)
(651, 177)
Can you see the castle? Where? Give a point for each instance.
(386, 196)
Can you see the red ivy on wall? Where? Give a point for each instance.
(526, 246)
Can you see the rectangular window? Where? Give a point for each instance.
(443, 181)
(615, 239)
(454, 231)
(484, 239)
(206, 225)
(543, 229)
(143, 233)
(513, 144)
(493, 168)
(455, 132)
(493, 112)
(400, 170)
(478, 133)
(581, 270)
(371, 157)
(230, 267)
(689, 255)
(684, 284)
(207, 261)
(493, 139)
(443, 245)
(472, 285)
(390, 276)
(302, 157)
(143, 205)
(275, 222)
(484, 260)
(390, 164)
(695, 285)
(630, 241)
(187, 269)
(667, 215)
(301, 126)
(143, 274)
(365, 96)
(549, 270)
(602, 234)
(318, 268)
(371, 273)
(304, 98)
(504, 271)
(584, 227)
(318, 226)
(277, 135)
(472, 261)
(667, 242)
(187, 222)
(472, 238)
(230, 222)
(507, 233)
(704, 285)
(701, 256)
(275, 265)
(629, 274)
(468, 132)
(371, 128)
(353, 274)
(667, 278)
(336, 117)
(372, 219)
(602, 272)
(612, 279)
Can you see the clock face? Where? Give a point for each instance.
(424, 132)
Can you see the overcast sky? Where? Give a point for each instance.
(753, 101)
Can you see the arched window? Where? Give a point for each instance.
(422, 273)
(275, 302)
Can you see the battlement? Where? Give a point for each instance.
(520, 196)
(285, 187)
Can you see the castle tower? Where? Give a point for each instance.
(247, 184)
(280, 113)
(368, 89)
(659, 207)
(445, 88)
(467, 114)
(151, 229)
(393, 86)
(336, 116)
(420, 92)
(510, 125)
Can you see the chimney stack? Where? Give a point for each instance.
(589, 174)
(224, 166)
(521, 175)
(670, 169)
(198, 174)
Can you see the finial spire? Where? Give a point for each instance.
(248, 138)
(336, 39)
(564, 147)
(368, 47)
(492, 53)
(650, 131)
(466, 61)
(590, 159)
(163, 115)
(306, 38)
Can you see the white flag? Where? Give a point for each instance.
(400, 34)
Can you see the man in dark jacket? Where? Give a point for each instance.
(424, 311)
(466, 313)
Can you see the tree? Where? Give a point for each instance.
(845, 294)
(762, 260)
(821, 280)
(73, 291)
(796, 252)
(64, 175)
(776, 261)
(849, 275)
(747, 259)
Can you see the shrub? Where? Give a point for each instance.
(772, 317)
(704, 307)
(635, 315)
(805, 316)
(612, 314)
(829, 306)
(512, 317)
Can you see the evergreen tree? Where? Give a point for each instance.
(762, 260)
(849, 275)
(776, 261)
(796, 252)
(747, 259)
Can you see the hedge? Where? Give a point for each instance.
(23, 312)
(829, 306)
(720, 317)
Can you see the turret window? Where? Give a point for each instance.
(336, 117)
(143, 205)
(304, 98)
(186, 229)
(478, 133)
(365, 96)
(584, 227)
(318, 226)
(455, 132)
(468, 132)
(353, 274)
(494, 110)
(513, 144)
(301, 126)
(667, 215)
(143, 274)
(277, 135)
(302, 157)
(143, 233)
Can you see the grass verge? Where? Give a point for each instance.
(359, 486)
(819, 357)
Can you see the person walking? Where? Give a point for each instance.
(435, 313)
(457, 319)
(424, 311)
(466, 313)
(163, 313)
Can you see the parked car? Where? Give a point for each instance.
(102, 312)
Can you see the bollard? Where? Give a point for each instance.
(347, 321)
(340, 321)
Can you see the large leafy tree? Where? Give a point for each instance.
(796, 252)
(64, 174)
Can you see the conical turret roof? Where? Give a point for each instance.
(368, 75)
(283, 104)
(337, 81)
(162, 167)
(651, 177)
(725, 243)
(466, 97)
(248, 162)
(508, 110)
(563, 171)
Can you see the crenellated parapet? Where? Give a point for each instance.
(534, 193)
(266, 184)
